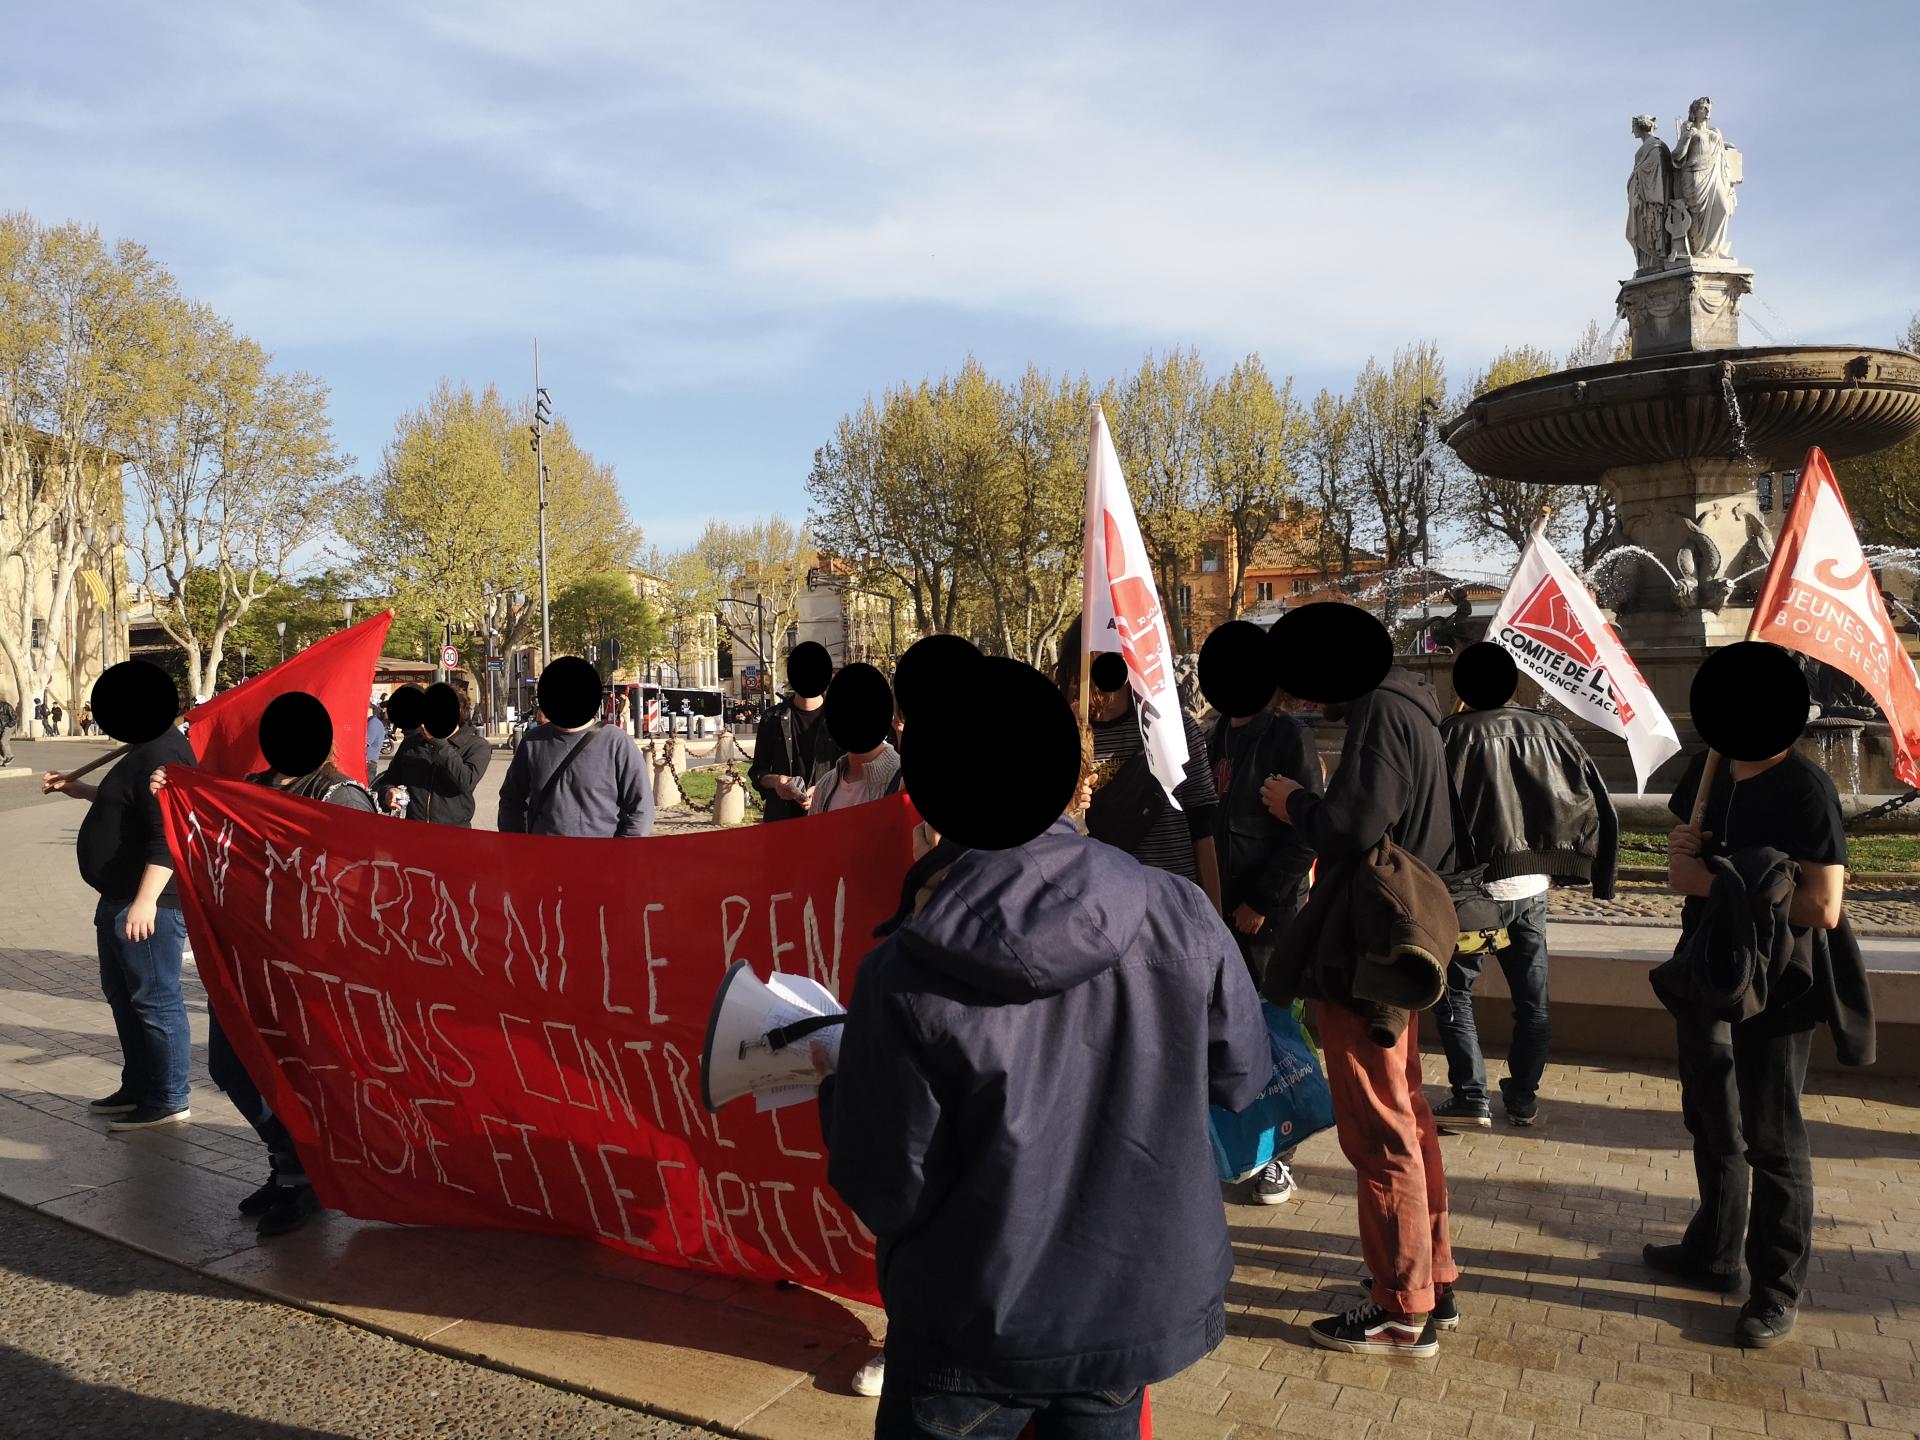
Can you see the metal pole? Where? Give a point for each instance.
(540, 474)
(760, 643)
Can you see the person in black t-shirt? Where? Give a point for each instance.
(1740, 1083)
(792, 751)
(142, 938)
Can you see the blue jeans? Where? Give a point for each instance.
(226, 1071)
(1525, 962)
(141, 980)
(910, 1414)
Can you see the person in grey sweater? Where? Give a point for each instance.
(572, 775)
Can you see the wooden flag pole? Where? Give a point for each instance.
(1086, 585)
(86, 769)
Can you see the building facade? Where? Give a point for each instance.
(63, 577)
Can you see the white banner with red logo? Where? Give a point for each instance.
(1123, 609)
(1821, 599)
(1550, 623)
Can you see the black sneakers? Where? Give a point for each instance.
(1446, 1309)
(1680, 1264)
(118, 1103)
(1369, 1330)
(145, 1117)
(296, 1205)
(1765, 1323)
(1519, 1112)
(1458, 1114)
(261, 1200)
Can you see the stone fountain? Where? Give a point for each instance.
(1696, 437)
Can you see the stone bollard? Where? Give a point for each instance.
(666, 788)
(730, 800)
(677, 753)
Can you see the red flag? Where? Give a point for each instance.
(225, 732)
(1821, 599)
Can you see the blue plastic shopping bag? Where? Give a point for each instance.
(1295, 1104)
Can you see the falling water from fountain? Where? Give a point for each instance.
(1742, 451)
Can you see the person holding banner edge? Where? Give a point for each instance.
(296, 740)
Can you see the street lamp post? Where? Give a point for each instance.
(280, 629)
(759, 603)
(346, 614)
(542, 417)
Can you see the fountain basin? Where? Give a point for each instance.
(1573, 426)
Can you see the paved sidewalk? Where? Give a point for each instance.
(1563, 1333)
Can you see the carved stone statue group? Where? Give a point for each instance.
(1681, 200)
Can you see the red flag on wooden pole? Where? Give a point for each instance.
(338, 671)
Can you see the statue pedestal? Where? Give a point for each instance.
(1693, 306)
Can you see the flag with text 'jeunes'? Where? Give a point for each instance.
(1820, 598)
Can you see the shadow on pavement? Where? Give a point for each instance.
(63, 1405)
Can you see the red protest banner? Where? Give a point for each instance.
(504, 1031)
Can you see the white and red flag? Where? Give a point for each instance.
(1122, 609)
(1821, 599)
(338, 671)
(1552, 626)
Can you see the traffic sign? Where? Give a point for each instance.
(450, 658)
(496, 662)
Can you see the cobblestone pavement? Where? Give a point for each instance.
(1873, 909)
(98, 1340)
(1563, 1333)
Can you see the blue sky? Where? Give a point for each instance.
(729, 223)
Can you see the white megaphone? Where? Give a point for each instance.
(760, 1038)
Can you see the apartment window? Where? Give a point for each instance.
(1186, 599)
(1263, 592)
(1210, 558)
(1301, 584)
(39, 633)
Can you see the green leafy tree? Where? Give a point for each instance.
(449, 525)
(601, 613)
(232, 476)
(1883, 489)
(1160, 435)
(1256, 438)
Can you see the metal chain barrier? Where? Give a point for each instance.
(730, 776)
(1884, 808)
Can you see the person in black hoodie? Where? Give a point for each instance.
(792, 750)
(1740, 1083)
(1020, 1111)
(441, 763)
(1533, 812)
(142, 938)
(1391, 784)
(1263, 861)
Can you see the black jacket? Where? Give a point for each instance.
(1263, 860)
(122, 833)
(1020, 1118)
(1530, 798)
(1741, 955)
(440, 775)
(1392, 780)
(773, 754)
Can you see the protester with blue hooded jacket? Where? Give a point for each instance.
(1020, 1110)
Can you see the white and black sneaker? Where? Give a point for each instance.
(145, 1117)
(118, 1103)
(1369, 1330)
(1274, 1184)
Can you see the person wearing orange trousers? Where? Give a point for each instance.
(1387, 1132)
